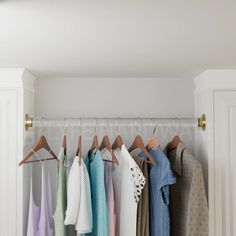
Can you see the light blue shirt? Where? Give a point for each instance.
(160, 178)
(95, 166)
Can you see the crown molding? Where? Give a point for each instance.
(17, 78)
(216, 79)
(28, 80)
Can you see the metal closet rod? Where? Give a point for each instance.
(39, 122)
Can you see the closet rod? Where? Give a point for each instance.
(42, 122)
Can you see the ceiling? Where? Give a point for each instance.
(168, 38)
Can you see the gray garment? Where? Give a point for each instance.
(188, 202)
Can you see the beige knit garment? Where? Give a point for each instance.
(188, 202)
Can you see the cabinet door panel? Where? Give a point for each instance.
(225, 162)
(8, 162)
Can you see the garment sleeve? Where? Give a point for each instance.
(198, 208)
(73, 194)
(138, 180)
(84, 222)
(167, 179)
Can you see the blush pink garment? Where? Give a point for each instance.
(108, 168)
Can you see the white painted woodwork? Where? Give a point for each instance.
(8, 155)
(16, 96)
(215, 95)
(225, 162)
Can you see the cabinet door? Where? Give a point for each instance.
(8, 162)
(225, 162)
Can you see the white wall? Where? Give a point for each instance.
(116, 97)
(122, 97)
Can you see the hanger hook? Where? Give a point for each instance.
(104, 127)
(44, 126)
(117, 127)
(64, 126)
(80, 126)
(136, 127)
(155, 127)
(96, 126)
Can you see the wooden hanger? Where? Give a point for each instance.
(118, 143)
(79, 149)
(173, 144)
(138, 143)
(42, 143)
(64, 144)
(153, 142)
(106, 144)
(95, 143)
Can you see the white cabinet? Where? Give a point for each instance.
(215, 95)
(8, 167)
(16, 96)
(225, 162)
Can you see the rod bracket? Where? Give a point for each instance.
(202, 122)
(28, 122)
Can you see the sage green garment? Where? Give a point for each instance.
(142, 228)
(59, 215)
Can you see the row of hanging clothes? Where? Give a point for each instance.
(115, 191)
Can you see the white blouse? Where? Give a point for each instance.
(79, 205)
(128, 182)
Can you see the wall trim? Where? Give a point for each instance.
(17, 78)
(215, 79)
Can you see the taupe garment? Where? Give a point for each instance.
(142, 228)
(188, 202)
